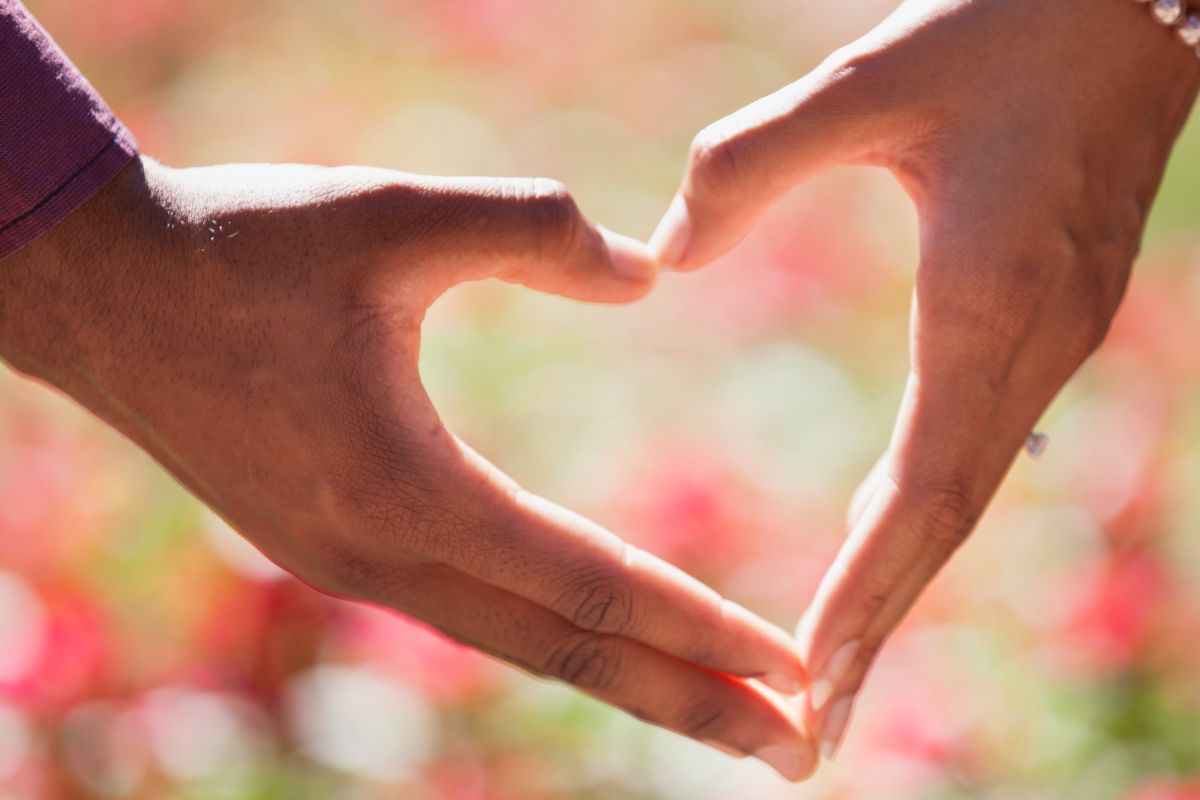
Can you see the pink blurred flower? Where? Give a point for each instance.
(444, 670)
(484, 27)
(36, 480)
(918, 726)
(99, 29)
(257, 635)
(1166, 790)
(689, 508)
(1152, 331)
(1119, 600)
(914, 710)
(75, 659)
(1119, 475)
(797, 266)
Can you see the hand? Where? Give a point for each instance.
(1031, 136)
(256, 329)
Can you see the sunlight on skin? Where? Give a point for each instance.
(1030, 218)
(266, 355)
(720, 424)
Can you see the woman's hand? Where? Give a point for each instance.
(256, 329)
(1032, 136)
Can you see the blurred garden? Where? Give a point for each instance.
(147, 652)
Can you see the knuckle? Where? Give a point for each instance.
(853, 76)
(554, 213)
(595, 601)
(548, 196)
(587, 661)
(944, 508)
(713, 162)
(857, 61)
(873, 602)
(703, 718)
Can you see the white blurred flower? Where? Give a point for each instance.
(358, 721)
(677, 767)
(22, 627)
(198, 735)
(770, 397)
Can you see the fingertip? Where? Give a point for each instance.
(796, 764)
(803, 629)
(787, 744)
(812, 760)
(784, 684)
(820, 693)
(669, 242)
(631, 259)
(784, 668)
(833, 731)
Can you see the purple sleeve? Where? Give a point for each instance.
(59, 142)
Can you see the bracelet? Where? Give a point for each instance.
(1175, 14)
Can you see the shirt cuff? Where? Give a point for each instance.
(59, 142)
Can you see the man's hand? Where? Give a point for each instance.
(256, 329)
(1032, 136)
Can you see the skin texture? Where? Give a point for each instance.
(256, 329)
(1032, 136)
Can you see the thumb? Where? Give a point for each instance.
(740, 165)
(530, 231)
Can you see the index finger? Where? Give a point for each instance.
(587, 575)
(957, 434)
(733, 715)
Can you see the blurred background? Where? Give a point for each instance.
(147, 652)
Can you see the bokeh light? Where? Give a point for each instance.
(148, 652)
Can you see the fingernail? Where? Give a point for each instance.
(835, 727)
(724, 748)
(802, 624)
(820, 693)
(787, 761)
(782, 683)
(835, 670)
(630, 258)
(670, 239)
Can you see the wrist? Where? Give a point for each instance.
(66, 294)
(1179, 16)
(1133, 62)
(1169, 33)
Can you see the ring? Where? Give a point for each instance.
(1035, 443)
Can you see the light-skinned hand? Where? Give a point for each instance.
(1032, 136)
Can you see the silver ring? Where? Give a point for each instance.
(1035, 443)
